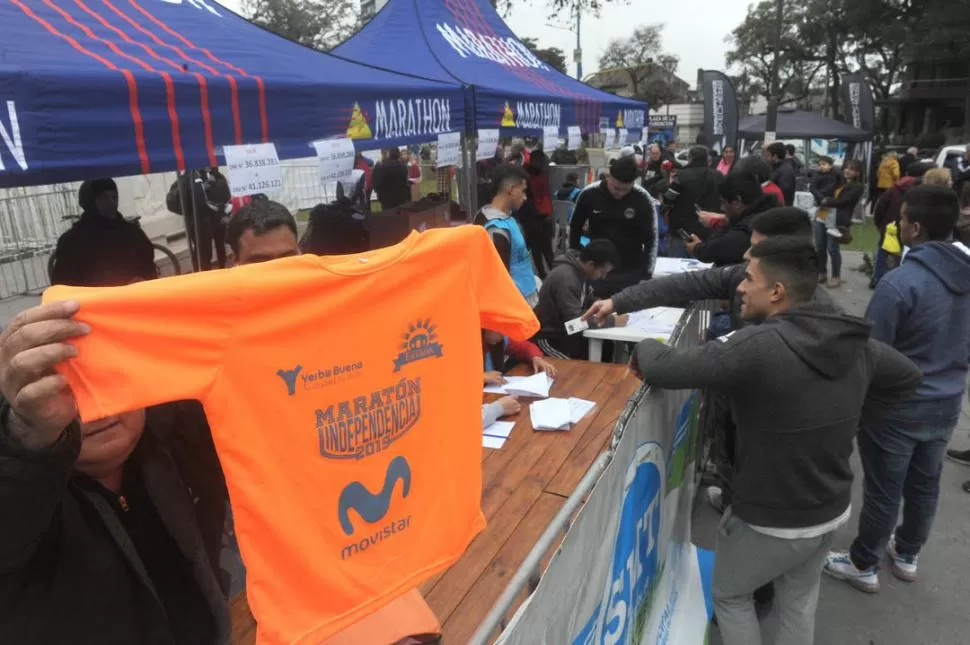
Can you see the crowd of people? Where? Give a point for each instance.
(141, 496)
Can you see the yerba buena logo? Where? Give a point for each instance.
(420, 342)
(289, 377)
(372, 508)
(369, 423)
(311, 380)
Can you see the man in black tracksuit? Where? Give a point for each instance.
(697, 185)
(792, 476)
(620, 211)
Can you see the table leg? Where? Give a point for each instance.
(596, 350)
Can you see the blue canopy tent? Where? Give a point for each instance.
(467, 41)
(128, 87)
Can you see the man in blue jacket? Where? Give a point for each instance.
(922, 309)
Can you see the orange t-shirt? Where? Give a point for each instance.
(344, 395)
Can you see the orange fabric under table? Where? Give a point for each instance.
(344, 395)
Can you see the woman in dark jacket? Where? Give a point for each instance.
(847, 196)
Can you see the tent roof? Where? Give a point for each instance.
(797, 124)
(133, 87)
(467, 41)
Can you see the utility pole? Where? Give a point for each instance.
(578, 54)
(771, 118)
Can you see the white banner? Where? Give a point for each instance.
(336, 158)
(575, 137)
(550, 138)
(609, 140)
(769, 138)
(253, 169)
(626, 572)
(487, 144)
(449, 149)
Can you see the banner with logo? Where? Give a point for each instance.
(626, 572)
(857, 106)
(662, 129)
(720, 111)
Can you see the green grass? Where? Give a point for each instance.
(864, 237)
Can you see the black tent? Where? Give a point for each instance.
(796, 124)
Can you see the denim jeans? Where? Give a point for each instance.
(826, 247)
(902, 458)
(881, 262)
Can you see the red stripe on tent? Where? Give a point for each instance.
(207, 120)
(259, 81)
(129, 78)
(124, 36)
(234, 89)
(173, 117)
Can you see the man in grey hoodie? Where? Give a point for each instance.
(566, 294)
(923, 310)
(792, 478)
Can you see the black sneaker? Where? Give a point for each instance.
(959, 456)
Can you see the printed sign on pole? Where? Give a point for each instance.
(646, 135)
(253, 169)
(769, 138)
(575, 137)
(449, 149)
(550, 138)
(336, 157)
(487, 144)
(621, 135)
(609, 138)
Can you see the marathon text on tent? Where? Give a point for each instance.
(507, 51)
(411, 117)
(529, 114)
(11, 138)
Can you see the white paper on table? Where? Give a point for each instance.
(494, 443)
(536, 385)
(253, 169)
(659, 320)
(501, 429)
(449, 148)
(487, 144)
(336, 159)
(550, 138)
(666, 266)
(609, 138)
(574, 138)
(551, 414)
(579, 408)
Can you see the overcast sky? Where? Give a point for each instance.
(695, 29)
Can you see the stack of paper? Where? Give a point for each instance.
(558, 414)
(667, 266)
(659, 320)
(535, 386)
(494, 436)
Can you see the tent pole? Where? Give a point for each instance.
(195, 223)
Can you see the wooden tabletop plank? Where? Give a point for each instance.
(485, 592)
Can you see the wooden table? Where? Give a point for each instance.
(524, 486)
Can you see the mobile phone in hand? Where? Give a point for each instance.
(684, 235)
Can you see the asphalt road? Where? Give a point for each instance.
(932, 610)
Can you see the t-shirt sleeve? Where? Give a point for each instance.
(501, 306)
(150, 342)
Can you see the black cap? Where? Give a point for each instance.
(624, 169)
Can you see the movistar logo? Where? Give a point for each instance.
(372, 508)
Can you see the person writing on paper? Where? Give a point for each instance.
(566, 294)
(506, 406)
(792, 477)
(498, 351)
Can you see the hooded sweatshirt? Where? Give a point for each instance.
(564, 295)
(791, 467)
(890, 203)
(923, 310)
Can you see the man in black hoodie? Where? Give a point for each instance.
(697, 185)
(782, 170)
(792, 477)
(741, 199)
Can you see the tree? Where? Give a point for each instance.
(640, 59)
(662, 87)
(552, 56)
(321, 24)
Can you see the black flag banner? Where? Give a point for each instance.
(857, 102)
(720, 111)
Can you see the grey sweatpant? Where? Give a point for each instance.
(745, 560)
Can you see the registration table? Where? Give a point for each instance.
(657, 323)
(525, 483)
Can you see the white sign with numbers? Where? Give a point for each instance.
(621, 136)
(574, 138)
(609, 138)
(487, 144)
(646, 135)
(253, 169)
(336, 158)
(449, 149)
(550, 138)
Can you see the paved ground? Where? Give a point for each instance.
(930, 611)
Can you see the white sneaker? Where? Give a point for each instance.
(715, 497)
(839, 565)
(834, 232)
(904, 566)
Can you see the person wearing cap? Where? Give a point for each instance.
(101, 226)
(616, 209)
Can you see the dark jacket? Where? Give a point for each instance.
(797, 384)
(729, 246)
(823, 185)
(69, 569)
(698, 188)
(564, 295)
(923, 310)
(845, 203)
(630, 223)
(391, 183)
(680, 289)
(890, 203)
(92, 231)
(784, 175)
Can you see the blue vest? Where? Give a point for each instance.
(489, 365)
(520, 263)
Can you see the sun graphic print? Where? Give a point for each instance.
(419, 342)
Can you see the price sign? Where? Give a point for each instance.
(449, 149)
(769, 138)
(609, 138)
(621, 135)
(574, 138)
(253, 169)
(487, 144)
(550, 138)
(646, 135)
(336, 158)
